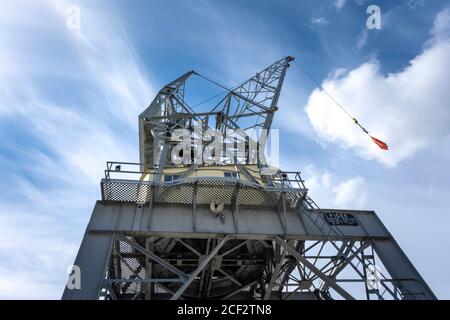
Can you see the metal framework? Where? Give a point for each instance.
(249, 106)
(153, 239)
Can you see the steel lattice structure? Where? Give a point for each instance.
(154, 238)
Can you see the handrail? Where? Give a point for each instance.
(284, 180)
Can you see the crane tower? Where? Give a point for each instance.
(193, 220)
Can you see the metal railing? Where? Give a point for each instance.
(130, 182)
(132, 171)
(291, 179)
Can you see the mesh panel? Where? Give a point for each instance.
(207, 191)
(178, 194)
(126, 264)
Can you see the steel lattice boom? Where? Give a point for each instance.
(248, 106)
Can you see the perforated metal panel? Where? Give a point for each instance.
(206, 191)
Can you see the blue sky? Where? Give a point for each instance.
(69, 101)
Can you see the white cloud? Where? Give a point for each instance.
(412, 4)
(407, 109)
(339, 4)
(362, 38)
(441, 25)
(108, 57)
(35, 250)
(350, 193)
(319, 21)
(329, 191)
(39, 236)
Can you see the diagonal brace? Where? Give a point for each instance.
(328, 281)
(153, 257)
(200, 267)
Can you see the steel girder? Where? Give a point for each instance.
(126, 254)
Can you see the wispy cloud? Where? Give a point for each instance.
(319, 21)
(350, 193)
(241, 41)
(362, 38)
(329, 191)
(58, 186)
(339, 4)
(413, 4)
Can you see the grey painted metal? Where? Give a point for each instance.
(400, 267)
(329, 281)
(159, 240)
(92, 260)
(249, 105)
(129, 221)
(203, 262)
(149, 139)
(260, 224)
(154, 257)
